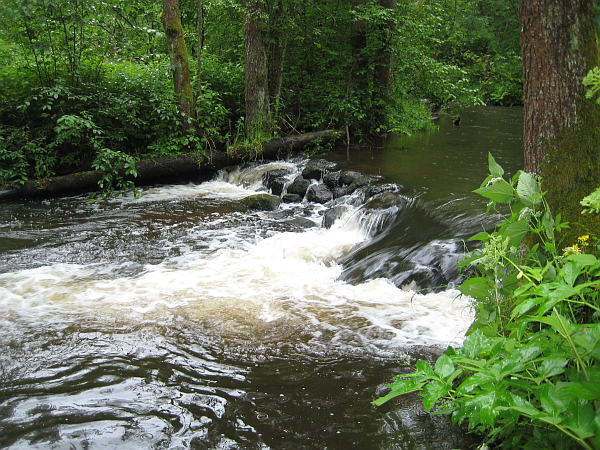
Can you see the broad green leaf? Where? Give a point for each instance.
(433, 391)
(483, 380)
(400, 387)
(444, 367)
(581, 418)
(586, 390)
(500, 192)
(551, 366)
(516, 231)
(495, 169)
(482, 408)
(481, 236)
(474, 344)
(528, 190)
(523, 406)
(583, 259)
(551, 402)
(477, 287)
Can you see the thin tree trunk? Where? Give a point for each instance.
(561, 127)
(256, 91)
(199, 46)
(179, 57)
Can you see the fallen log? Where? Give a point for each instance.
(181, 167)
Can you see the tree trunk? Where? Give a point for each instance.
(179, 57)
(258, 112)
(199, 46)
(383, 80)
(177, 168)
(561, 127)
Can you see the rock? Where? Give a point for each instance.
(278, 185)
(291, 198)
(348, 176)
(378, 189)
(332, 180)
(315, 170)
(270, 176)
(299, 186)
(261, 202)
(333, 214)
(301, 222)
(361, 181)
(385, 201)
(319, 193)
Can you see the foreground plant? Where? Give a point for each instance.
(528, 374)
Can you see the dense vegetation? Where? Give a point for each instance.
(528, 375)
(89, 84)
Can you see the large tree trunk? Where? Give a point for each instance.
(258, 112)
(179, 57)
(177, 168)
(561, 128)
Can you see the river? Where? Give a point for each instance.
(182, 320)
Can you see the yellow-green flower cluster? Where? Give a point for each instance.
(582, 241)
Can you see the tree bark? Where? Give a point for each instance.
(561, 127)
(190, 166)
(179, 57)
(256, 90)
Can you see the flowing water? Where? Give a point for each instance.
(183, 320)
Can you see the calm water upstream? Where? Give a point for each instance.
(182, 320)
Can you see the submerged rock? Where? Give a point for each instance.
(333, 214)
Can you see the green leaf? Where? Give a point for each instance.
(494, 167)
(433, 391)
(481, 236)
(400, 387)
(500, 192)
(581, 419)
(476, 287)
(444, 367)
(516, 231)
(551, 366)
(586, 390)
(551, 401)
(474, 344)
(528, 190)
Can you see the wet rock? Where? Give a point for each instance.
(347, 177)
(315, 170)
(278, 185)
(360, 182)
(332, 180)
(319, 193)
(291, 198)
(299, 186)
(301, 222)
(261, 202)
(270, 176)
(379, 189)
(333, 214)
(385, 201)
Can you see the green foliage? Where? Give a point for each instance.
(528, 374)
(116, 166)
(592, 202)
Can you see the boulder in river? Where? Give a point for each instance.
(261, 202)
(319, 193)
(315, 170)
(299, 186)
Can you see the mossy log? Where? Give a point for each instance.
(168, 169)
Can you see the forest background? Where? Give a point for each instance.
(89, 84)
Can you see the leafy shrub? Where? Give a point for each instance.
(528, 374)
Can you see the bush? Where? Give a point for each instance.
(528, 374)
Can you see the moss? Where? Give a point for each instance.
(571, 171)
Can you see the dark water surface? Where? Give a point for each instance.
(182, 320)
